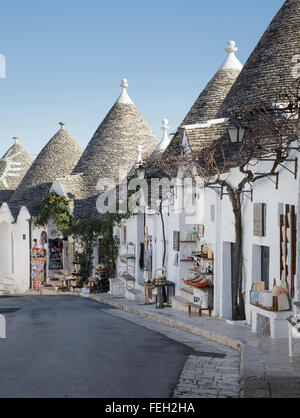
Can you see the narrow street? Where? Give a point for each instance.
(72, 347)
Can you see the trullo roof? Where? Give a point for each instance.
(114, 144)
(273, 66)
(57, 159)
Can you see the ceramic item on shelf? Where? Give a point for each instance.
(283, 233)
(202, 283)
(283, 248)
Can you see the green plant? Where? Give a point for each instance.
(55, 208)
(88, 233)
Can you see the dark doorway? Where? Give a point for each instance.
(265, 266)
(233, 265)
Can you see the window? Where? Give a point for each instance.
(259, 219)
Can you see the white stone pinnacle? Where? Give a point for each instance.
(165, 139)
(124, 98)
(124, 83)
(16, 139)
(62, 124)
(139, 158)
(231, 62)
(231, 47)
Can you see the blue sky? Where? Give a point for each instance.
(65, 59)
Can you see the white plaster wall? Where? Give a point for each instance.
(6, 220)
(220, 233)
(135, 235)
(264, 192)
(21, 251)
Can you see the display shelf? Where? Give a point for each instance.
(201, 288)
(198, 273)
(200, 257)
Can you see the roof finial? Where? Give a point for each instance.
(124, 98)
(165, 140)
(16, 139)
(231, 48)
(139, 158)
(165, 127)
(124, 83)
(231, 62)
(62, 124)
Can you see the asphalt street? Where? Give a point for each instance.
(73, 347)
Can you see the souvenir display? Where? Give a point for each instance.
(275, 300)
(55, 254)
(38, 266)
(288, 249)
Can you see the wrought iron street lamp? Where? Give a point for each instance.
(236, 133)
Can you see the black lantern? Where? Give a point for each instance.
(236, 133)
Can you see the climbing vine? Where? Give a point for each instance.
(55, 208)
(87, 233)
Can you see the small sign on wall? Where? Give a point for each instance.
(176, 241)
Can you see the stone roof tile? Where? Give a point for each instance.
(114, 145)
(58, 158)
(272, 67)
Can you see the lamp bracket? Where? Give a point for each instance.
(244, 192)
(276, 181)
(293, 160)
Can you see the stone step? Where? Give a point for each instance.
(187, 294)
(8, 281)
(179, 303)
(117, 287)
(134, 295)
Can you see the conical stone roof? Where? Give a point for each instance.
(208, 103)
(13, 166)
(211, 98)
(273, 66)
(57, 159)
(114, 144)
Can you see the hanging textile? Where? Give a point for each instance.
(142, 256)
(148, 257)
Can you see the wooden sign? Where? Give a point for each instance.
(259, 210)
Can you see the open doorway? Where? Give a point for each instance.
(261, 265)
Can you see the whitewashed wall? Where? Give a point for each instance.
(217, 217)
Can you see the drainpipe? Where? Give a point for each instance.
(164, 235)
(30, 239)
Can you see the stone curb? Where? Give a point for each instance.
(209, 335)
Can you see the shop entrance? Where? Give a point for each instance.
(233, 265)
(265, 266)
(229, 259)
(261, 265)
(56, 254)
